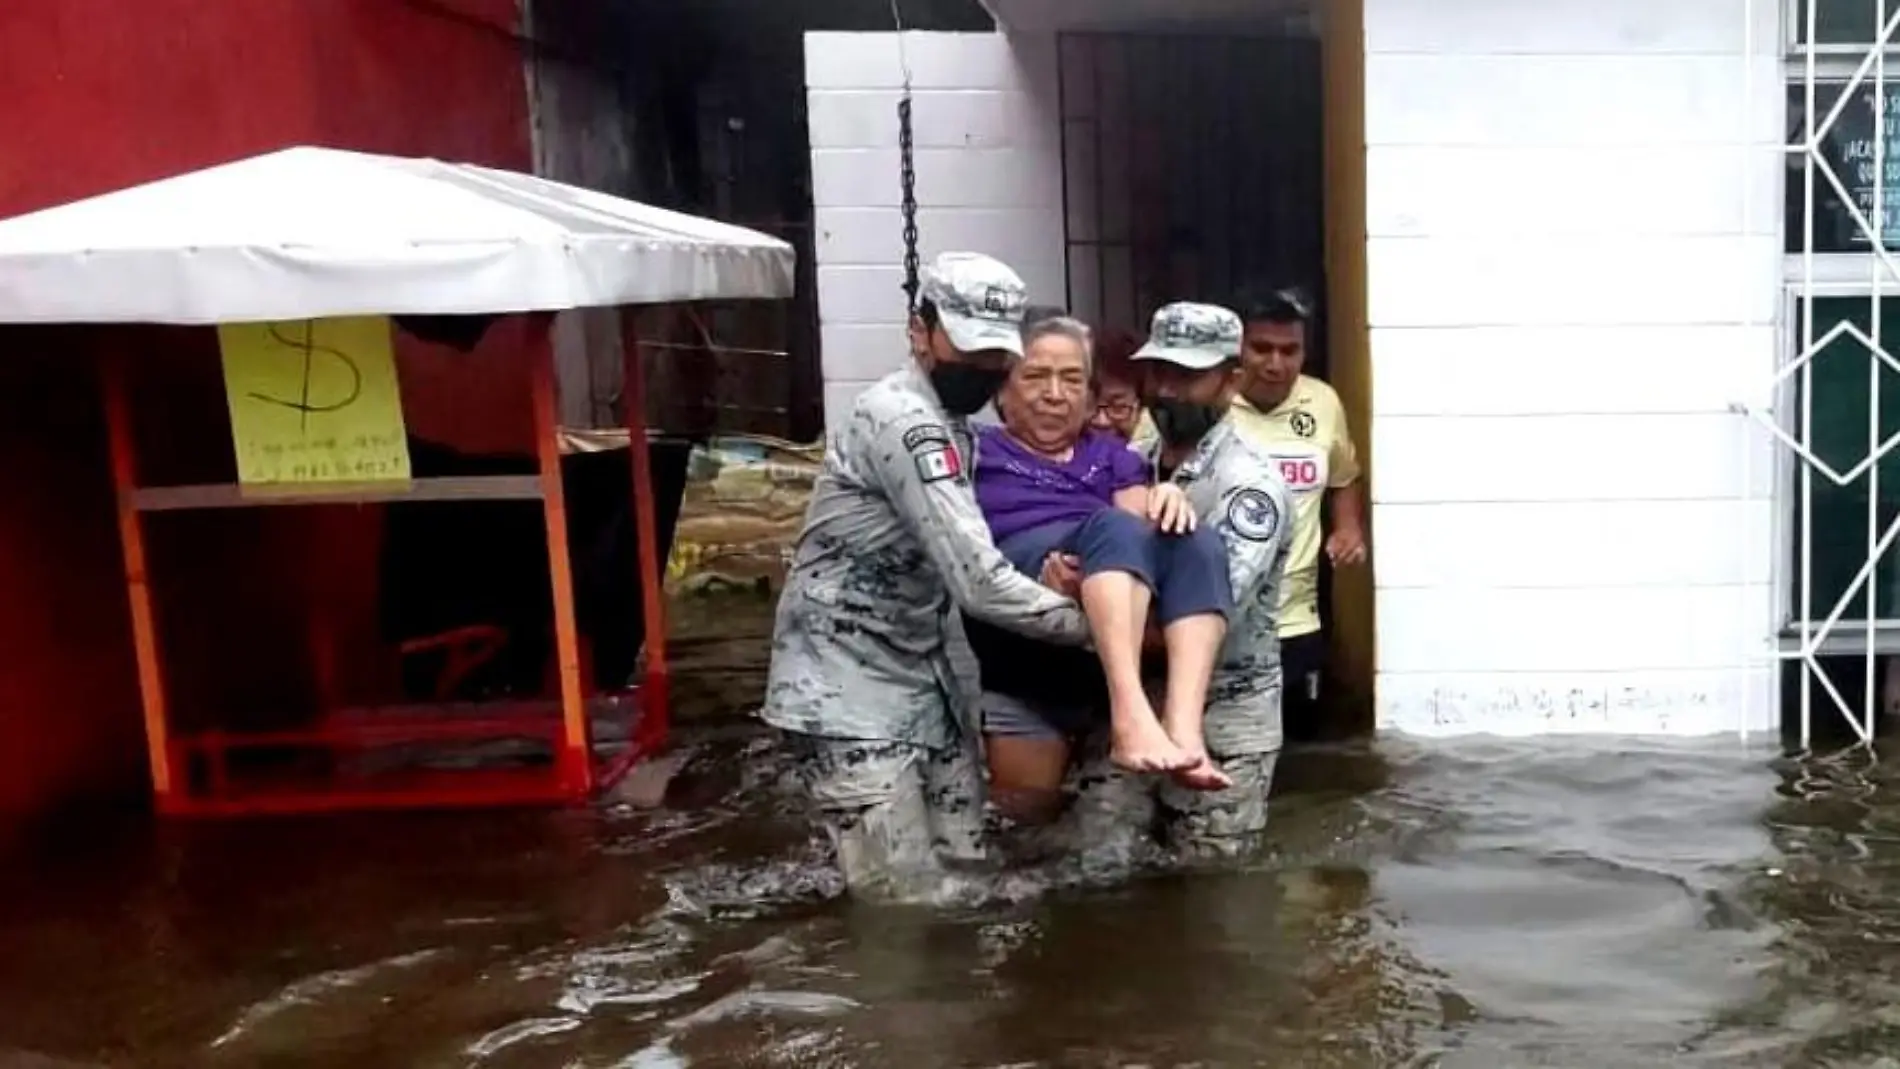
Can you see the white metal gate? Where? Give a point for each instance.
(1840, 590)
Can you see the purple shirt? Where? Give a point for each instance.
(1019, 490)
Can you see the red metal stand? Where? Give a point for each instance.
(575, 756)
(330, 765)
(651, 730)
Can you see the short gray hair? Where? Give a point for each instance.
(1063, 326)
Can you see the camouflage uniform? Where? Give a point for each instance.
(1234, 486)
(860, 678)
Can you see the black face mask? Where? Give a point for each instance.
(1182, 423)
(965, 388)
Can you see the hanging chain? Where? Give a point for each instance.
(907, 165)
(907, 176)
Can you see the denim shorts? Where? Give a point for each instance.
(1016, 718)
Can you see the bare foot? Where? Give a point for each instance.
(1200, 773)
(1204, 775)
(1147, 748)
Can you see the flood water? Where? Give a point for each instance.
(1549, 902)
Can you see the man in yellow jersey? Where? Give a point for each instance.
(1300, 422)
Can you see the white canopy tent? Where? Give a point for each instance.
(313, 232)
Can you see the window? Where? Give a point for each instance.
(1848, 149)
(1841, 387)
(1845, 25)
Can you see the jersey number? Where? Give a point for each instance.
(1299, 474)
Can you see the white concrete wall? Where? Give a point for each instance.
(1573, 216)
(989, 178)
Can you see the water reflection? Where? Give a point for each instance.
(1474, 904)
(1826, 900)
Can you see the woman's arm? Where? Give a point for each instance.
(1133, 499)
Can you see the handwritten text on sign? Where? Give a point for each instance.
(314, 402)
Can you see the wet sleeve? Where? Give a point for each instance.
(1255, 521)
(915, 461)
(1343, 458)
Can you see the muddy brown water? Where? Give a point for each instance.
(1546, 902)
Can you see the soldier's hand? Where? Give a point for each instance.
(1169, 510)
(1062, 573)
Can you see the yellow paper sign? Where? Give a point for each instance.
(314, 401)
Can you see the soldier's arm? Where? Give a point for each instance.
(1255, 519)
(915, 461)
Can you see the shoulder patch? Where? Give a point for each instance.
(934, 452)
(1253, 515)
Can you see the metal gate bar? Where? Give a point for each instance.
(1821, 277)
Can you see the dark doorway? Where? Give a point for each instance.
(1193, 170)
(712, 102)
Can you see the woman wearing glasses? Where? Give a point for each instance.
(1117, 401)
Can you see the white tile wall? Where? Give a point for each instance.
(1572, 267)
(1580, 544)
(989, 178)
(1615, 369)
(1451, 460)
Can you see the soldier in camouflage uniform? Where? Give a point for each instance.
(1189, 366)
(860, 680)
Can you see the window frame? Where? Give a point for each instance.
(1849, 634)
(1809, 276)
(1849, 52)
(1835, 264)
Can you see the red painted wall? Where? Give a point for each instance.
(101, 94)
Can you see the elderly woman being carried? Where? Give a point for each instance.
(1048, 485)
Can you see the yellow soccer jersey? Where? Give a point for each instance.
(1312, 447)
(1145, 433)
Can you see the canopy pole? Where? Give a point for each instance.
(650, 734)
(575, 760)
(138, 590)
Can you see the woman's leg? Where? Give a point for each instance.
(1117, 551)
(1034, 697)
(1026, 550)
(1117, 563)
(1194, 600)
(1028, 757)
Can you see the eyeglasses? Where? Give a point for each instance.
(1117, 408)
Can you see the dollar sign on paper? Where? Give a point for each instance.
(307, 400)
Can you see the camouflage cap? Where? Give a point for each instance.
(979, 301)
(1193, 336)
